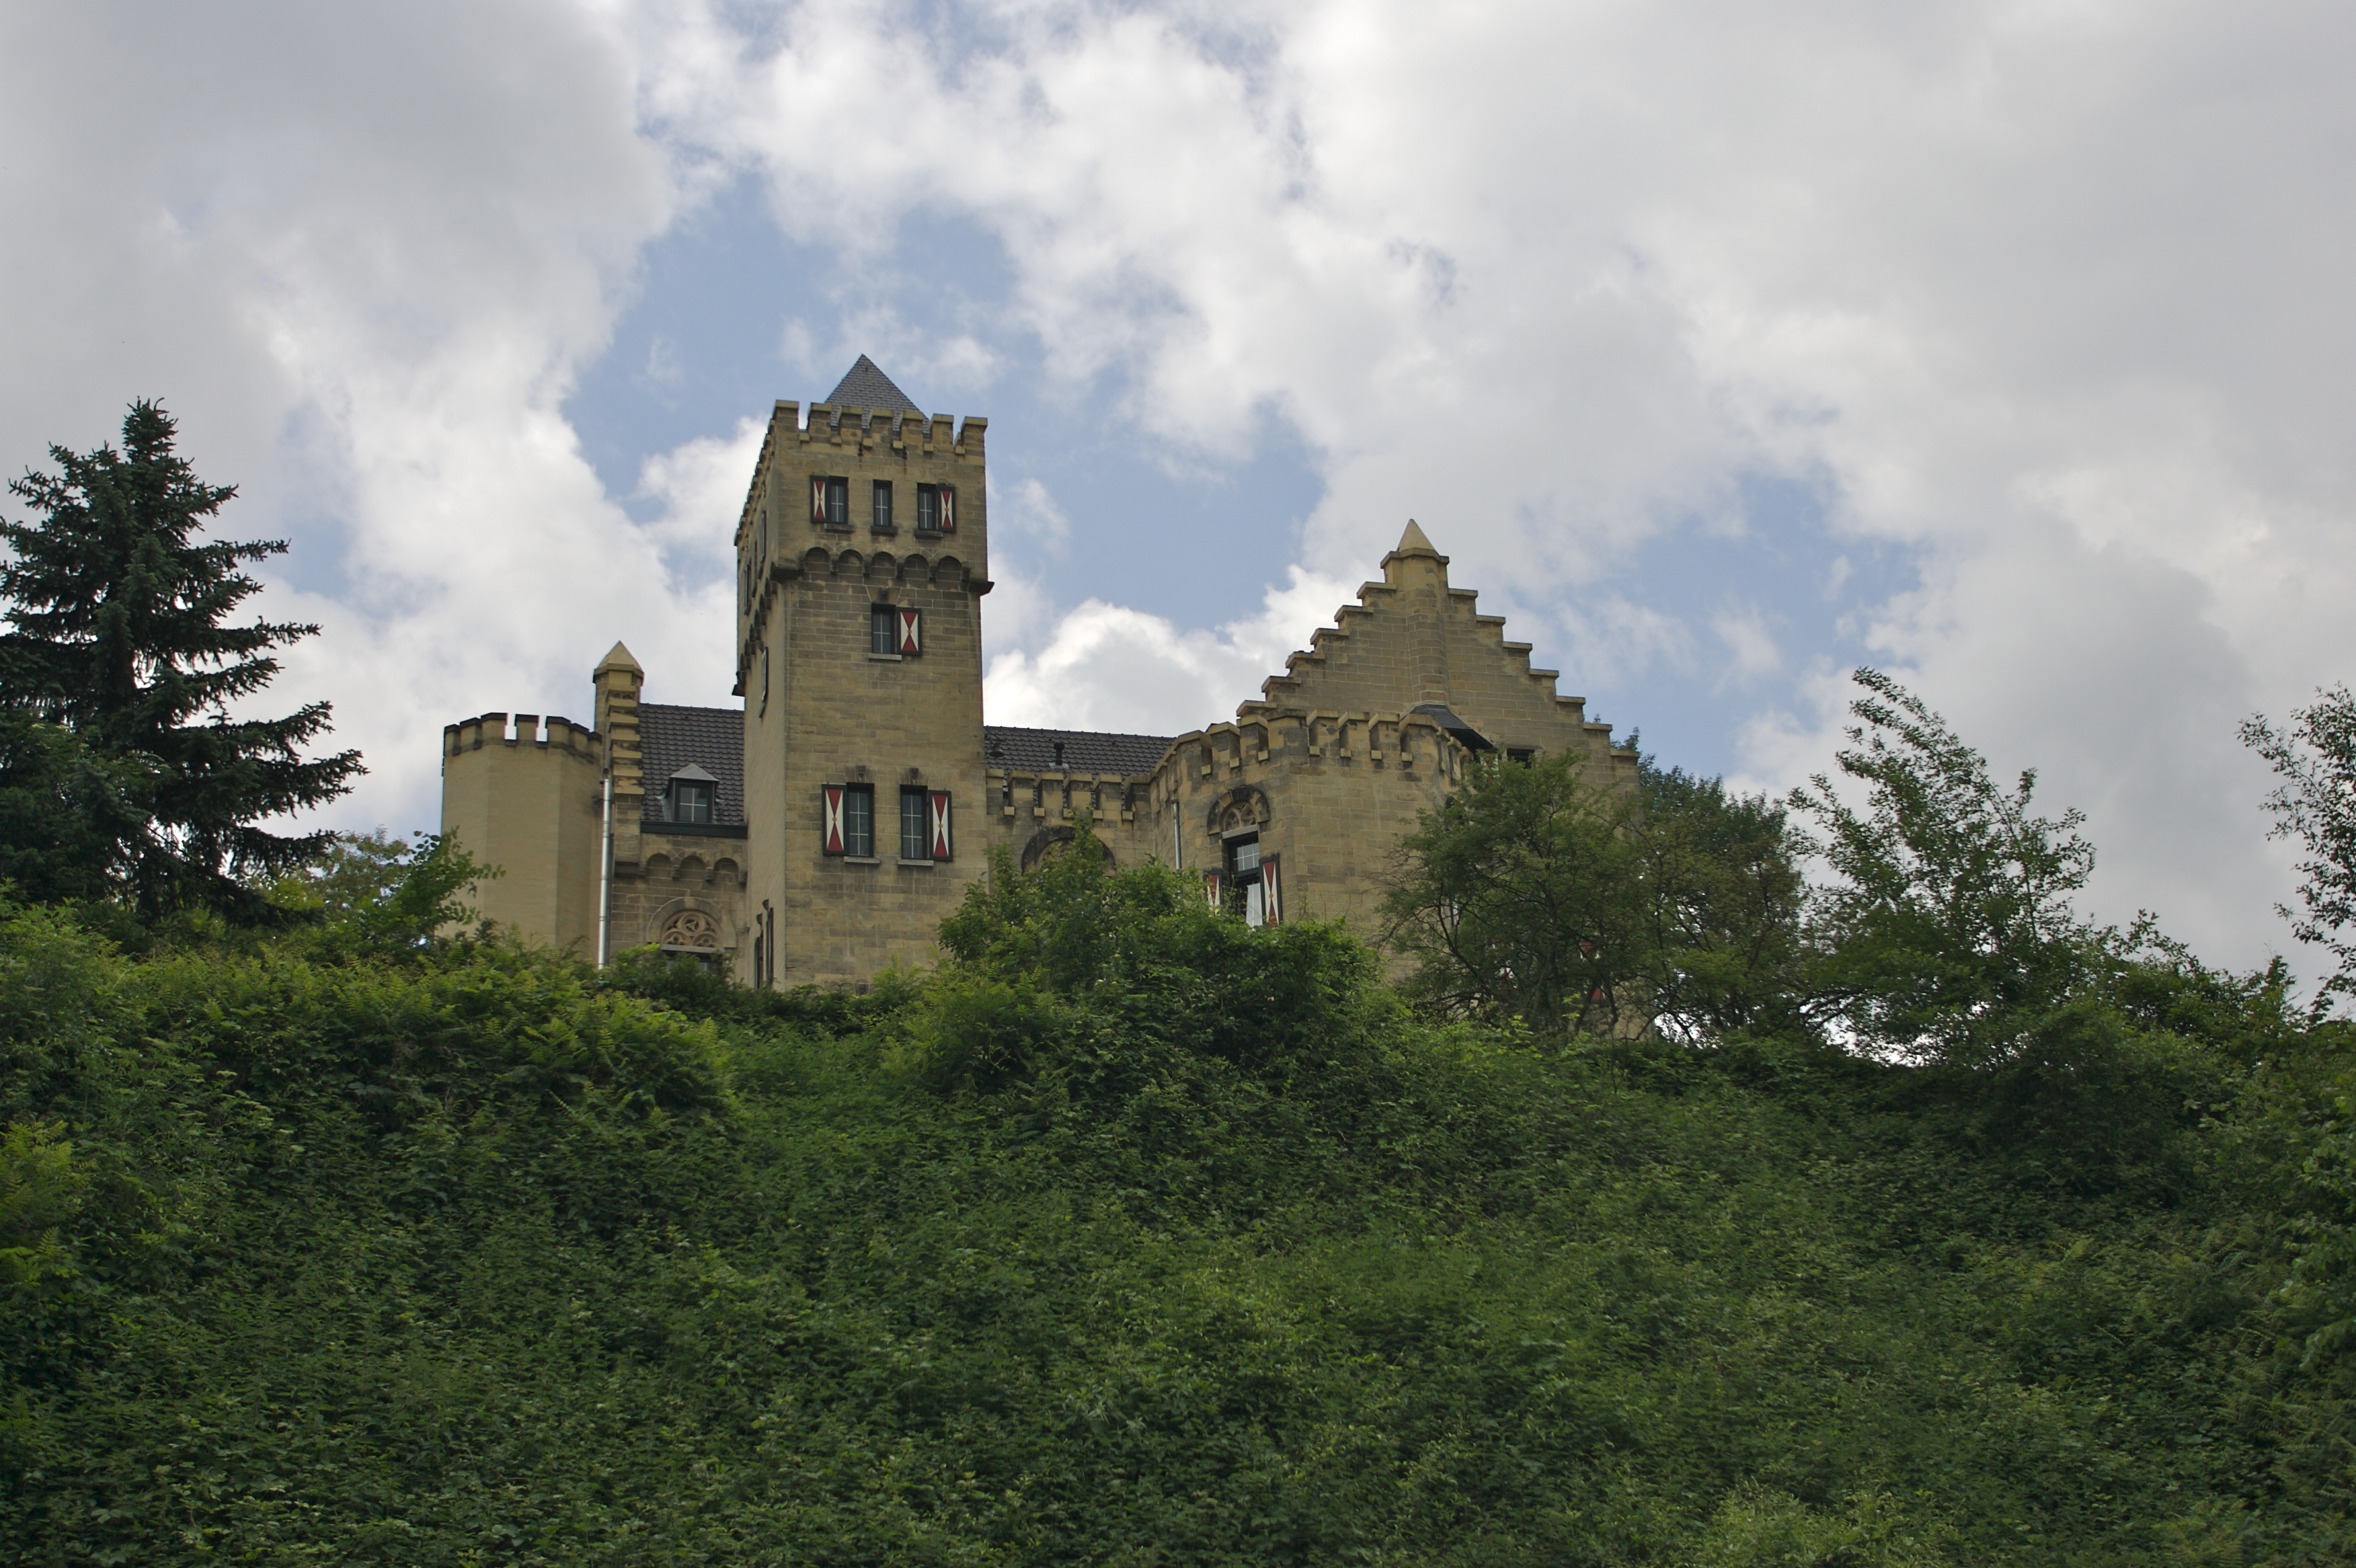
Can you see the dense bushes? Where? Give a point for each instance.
(1139, 1236)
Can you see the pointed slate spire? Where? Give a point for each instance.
(867, 387)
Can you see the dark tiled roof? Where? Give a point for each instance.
(867, 387)
(712, 738)
(1079, 750)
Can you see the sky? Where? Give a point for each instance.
(1723, 347)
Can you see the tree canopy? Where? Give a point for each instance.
(122, 641)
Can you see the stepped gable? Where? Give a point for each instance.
(1083, 751)
(865, 386)
(1416, 642)
(671, 737)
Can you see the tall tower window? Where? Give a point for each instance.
(883, 629)
(916, 830)
(935, 509)
(859, 820)
(829, 500)
(883, 512)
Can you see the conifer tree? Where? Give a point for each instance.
(120, 639)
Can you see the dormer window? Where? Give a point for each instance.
(689, 796)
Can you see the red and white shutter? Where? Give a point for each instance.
(912, 642)
(1271, 891)
(947, 518)
(1211, 887)
(817, 500)
(830, 805)
(939, 818)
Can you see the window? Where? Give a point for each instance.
(916, 834)
(1525, 755)
(1243, 889)
(883, 629)
(859, 820)
(690, 799)
(829, 500)
(1246, 883)
(882, 513)
(935, 509)
(847, 819)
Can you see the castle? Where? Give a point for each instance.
(822, 831)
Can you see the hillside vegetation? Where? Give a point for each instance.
(1671, 1207)
(1136, 1236)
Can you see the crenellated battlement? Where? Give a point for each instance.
(1270, 734)
(526, 729)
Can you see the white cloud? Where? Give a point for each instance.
(1028, 510)
(1106, 667)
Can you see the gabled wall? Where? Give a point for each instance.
(1412, 639)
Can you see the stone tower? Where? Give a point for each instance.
(862, 556)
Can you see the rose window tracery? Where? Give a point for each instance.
(691, 929)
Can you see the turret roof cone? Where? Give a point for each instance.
(1412, 546)
(867, 387)
(619, 659)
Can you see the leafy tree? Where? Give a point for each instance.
(2315, 802)
(1073, 975)
(1723, 904)
(386, 893)
(1539, 893)
(1950, 932)
(119, 638)
(1522, 896)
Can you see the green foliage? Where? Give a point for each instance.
(1521, 897)
(2316, 803)
(381, 894)
(1083, 983)
(119, 638)
(1538, 893)
(1949, 933)
(73, 821)
(1137, 1235)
